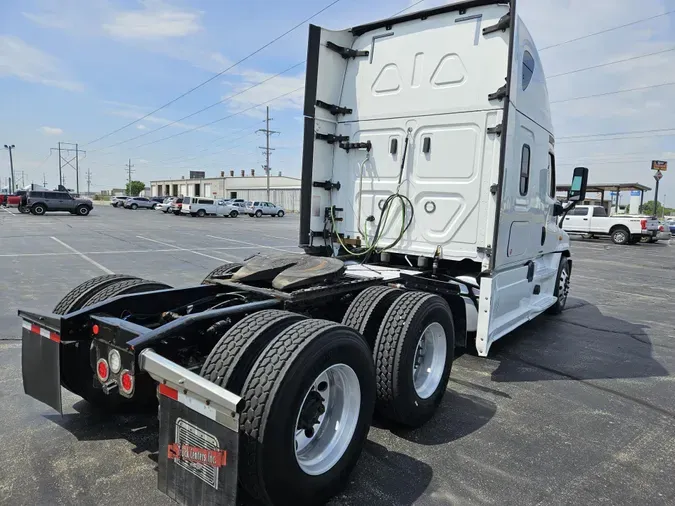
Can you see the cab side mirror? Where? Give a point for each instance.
(558, 209)
(577, 191)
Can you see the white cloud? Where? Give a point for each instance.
(282, 85)
(50, 19)
(47, 130)
(156, 20)
(141, 127)
(19, 59)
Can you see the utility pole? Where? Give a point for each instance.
(60, 160)
(267, 150)
(23, 182)
(129, 166)
(44, 180)
(88, 182)
(66, 159)
(10, 147)
(77, 170)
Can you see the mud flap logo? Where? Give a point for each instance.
(197, 452)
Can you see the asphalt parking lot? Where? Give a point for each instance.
(575, 409)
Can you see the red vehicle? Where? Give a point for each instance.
(18, 199)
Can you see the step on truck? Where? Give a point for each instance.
(429, 224)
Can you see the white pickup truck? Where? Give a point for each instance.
(593, 220)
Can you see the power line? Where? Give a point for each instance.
(612, 93)
(219, 73)
(615, 133)
(219, 119)
(407, 8)
(612, 63)
(201, 110)
(616, 139)
(605, 31)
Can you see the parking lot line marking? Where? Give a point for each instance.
(125, 252)
(177, 248)
(92, 262)
(253, 244)
(7, 211)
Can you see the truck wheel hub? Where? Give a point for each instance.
(327, 419)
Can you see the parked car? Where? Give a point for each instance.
(671, 225)
(257, 209)
(593, 220)
(116, 201)
(40, 202)
(159, 200)
(176, 206)
(140, 203)
(199, 206)
(165, 206)
(662, 234)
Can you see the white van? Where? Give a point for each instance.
(199, 206)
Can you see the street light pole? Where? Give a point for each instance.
(10, 147)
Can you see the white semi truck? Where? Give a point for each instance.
(429, 222)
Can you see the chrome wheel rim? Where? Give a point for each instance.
(620, 237)
(327, 419)
(563, 287)
(429, 362)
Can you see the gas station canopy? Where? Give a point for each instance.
(607, 187)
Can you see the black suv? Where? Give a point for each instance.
(40, 202)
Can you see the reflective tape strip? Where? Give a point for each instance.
(189, 401)
(35, 329)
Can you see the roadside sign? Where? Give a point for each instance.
(658, 175)
(635, 193)
(659, 165)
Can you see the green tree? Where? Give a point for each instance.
(135, 187)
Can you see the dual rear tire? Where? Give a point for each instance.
(310, 386)
(309, 392)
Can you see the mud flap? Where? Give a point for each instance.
(40, 364)
(198, 435)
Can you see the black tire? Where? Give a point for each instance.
(125, 288)
(155, 206)
(231, 360)
(177, 213)
(250, 214)
(395, 354)
(280, 214)
(134, 206)
(645, 239)
(634, 239)
(258, 213)
(38, 209)
(234, 214)
(562, 283)
(24, 210)
(219, 271)
(620, 235)
(273, 394)
(76, 298)
(165, 211)
(367, 310)
(201, 213)
(82, 210)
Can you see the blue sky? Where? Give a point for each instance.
(74, 70)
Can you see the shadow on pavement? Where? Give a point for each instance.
(90, 424)
(580, 344)
(385, 478)
(458, 416)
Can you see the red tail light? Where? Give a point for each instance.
(661, 229)
(126, 382)
(643, 223)
(102, 370)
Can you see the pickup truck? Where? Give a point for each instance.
(593, 220)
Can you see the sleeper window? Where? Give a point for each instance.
(525, 170)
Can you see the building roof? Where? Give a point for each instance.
(610, 187)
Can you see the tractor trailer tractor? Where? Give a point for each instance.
(429, 223)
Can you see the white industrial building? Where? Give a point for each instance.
(284, 190)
